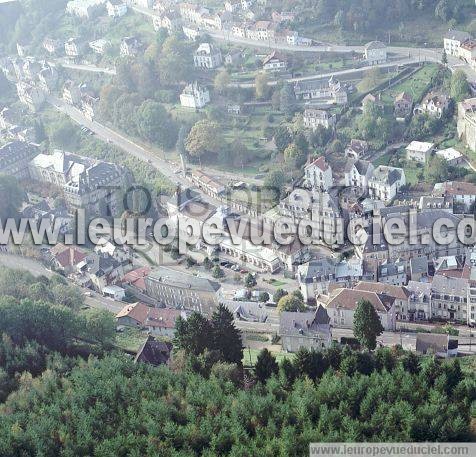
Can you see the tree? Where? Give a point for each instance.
(217, 272)
(155, 124)
(226, 337)
(266, 366)
(263, 297)
(193, 335)
(282, 137)
(444, 58)
(459, 87)
(275, 182)
(321, 136)
(280, 293)
(99, 325)
(261, 86)
(291, 303)
(436, 170)
(367, 325)
(12, 197)
(250, 281)
(294, 156)
(221, 81)
(443, 10)
(63, 134)
(287, 99)
(205, 137)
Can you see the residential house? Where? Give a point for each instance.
(154, 352)
(418, 269)
(386, 182)
(130, 46)
(467, 51)
(305, 330)
(15, 157)
(357, 149)
(170, 21)
(393, 272)
(316, 277)
(261, 31)
(157, 321)
(121, 253)
(419, 151)
(85, 9)
(66, 258)
(329, 91)
(375, 53)
(453, 40)
(89, 105)
(48, 78)
(208, 184)
(318, 174)
(134, 281)
(283, 16)
(312, 118)
(74, 47)
(434, 344)
(31, 96)
(100, 46)
(192, 33)
(207, 56)
(461, 193)
(182, 291)
(467, 122)
(116, 8)
(434, 104)
(115, 292)
(450, 297)
(72, 93)
(403, 105)
(232, 6)
(357, 173)
(51, 46)
(195, 96)
(451, 156)
(275, 62)
(343, 303)
(419, 304)
(397, 292)
(103, 271)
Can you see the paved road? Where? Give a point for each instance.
(164, 166)
(38, 269)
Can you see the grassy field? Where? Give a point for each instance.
(250, 356)
(130, 339)
(416, 85)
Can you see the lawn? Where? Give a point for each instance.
(131, 339)
(416, 85)
(250, 356)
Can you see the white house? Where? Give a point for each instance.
(312, 118)
(453, 40)
(419, 151)
(116, 8)
(386, 182)
(207, 56)
(357, 173)
(451, 156)
(318, 174)
(275, 62)
(99, 46)
(434, 104)
(375, 53)
(343, 304)
(195, 96)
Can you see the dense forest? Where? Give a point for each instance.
(59, 398)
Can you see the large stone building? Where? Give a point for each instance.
(15, 158)
(467, 122)
(176, 289)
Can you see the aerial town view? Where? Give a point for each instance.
(241, 228)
